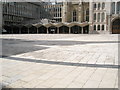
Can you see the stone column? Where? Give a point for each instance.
(64, 12)
(57, 30)
(82, 30)
(104, 27)
(28, 30)
(37, 30)
(80, 12)
(12, 30)
(91, 16)
(90, 11)
(19, 30)
(47, 31)
(69, 30)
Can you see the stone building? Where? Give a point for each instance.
(95, 17)
(80, 17)
(99, 15)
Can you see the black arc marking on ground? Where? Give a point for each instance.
(64, 63)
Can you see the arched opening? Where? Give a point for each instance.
(99, 6)
(8, 29)
(116, 26)
(33, 30)
(86, 29)
(63, 29)
(52, 30)
(76, 29)
(15, 30)
(98, 27)
(103, 27)
(42, 30)
(24, 30)
(103, 5)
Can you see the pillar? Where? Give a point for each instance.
(82, 30)
(91, 18)
(28, 30)
(69, 30)
(104, 27)
(12, 30)
(19, 30)
(37, 30)
(47, 31)
(57, 30)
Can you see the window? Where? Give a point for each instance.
(103, 17)
(95, 27)
(98, 27)
(74, 15)
(102, 27)
(98, 17)
(113, 8)
(87, 15)
(103, 5)
(95, 6)
(118, 7)
(95, 17)
(98, 6)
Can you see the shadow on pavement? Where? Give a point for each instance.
(19, 46)
(64, 63)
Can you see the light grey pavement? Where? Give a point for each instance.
(60, 61)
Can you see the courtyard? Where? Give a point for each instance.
(60, 61)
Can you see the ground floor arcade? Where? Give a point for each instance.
(48, 29)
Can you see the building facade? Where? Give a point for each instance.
(19, 13)
(78, 18)
(98, 15)
(55, 11)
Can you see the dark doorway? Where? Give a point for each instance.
(42, 30)
(15, 30)
(86, 29)
(52, 30)
(32, 30)
(76, 29)
(24, 30)
(8, 29)
(63, 29)
(116, 26)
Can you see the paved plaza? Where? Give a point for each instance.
(60, 61)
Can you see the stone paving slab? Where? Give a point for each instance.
(65, 61)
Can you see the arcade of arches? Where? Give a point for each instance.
(47, 30)
(116, 26)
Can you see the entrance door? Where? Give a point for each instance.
(116, 26)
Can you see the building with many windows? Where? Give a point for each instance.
(55, 11)
(79, 18)
(19, 13)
